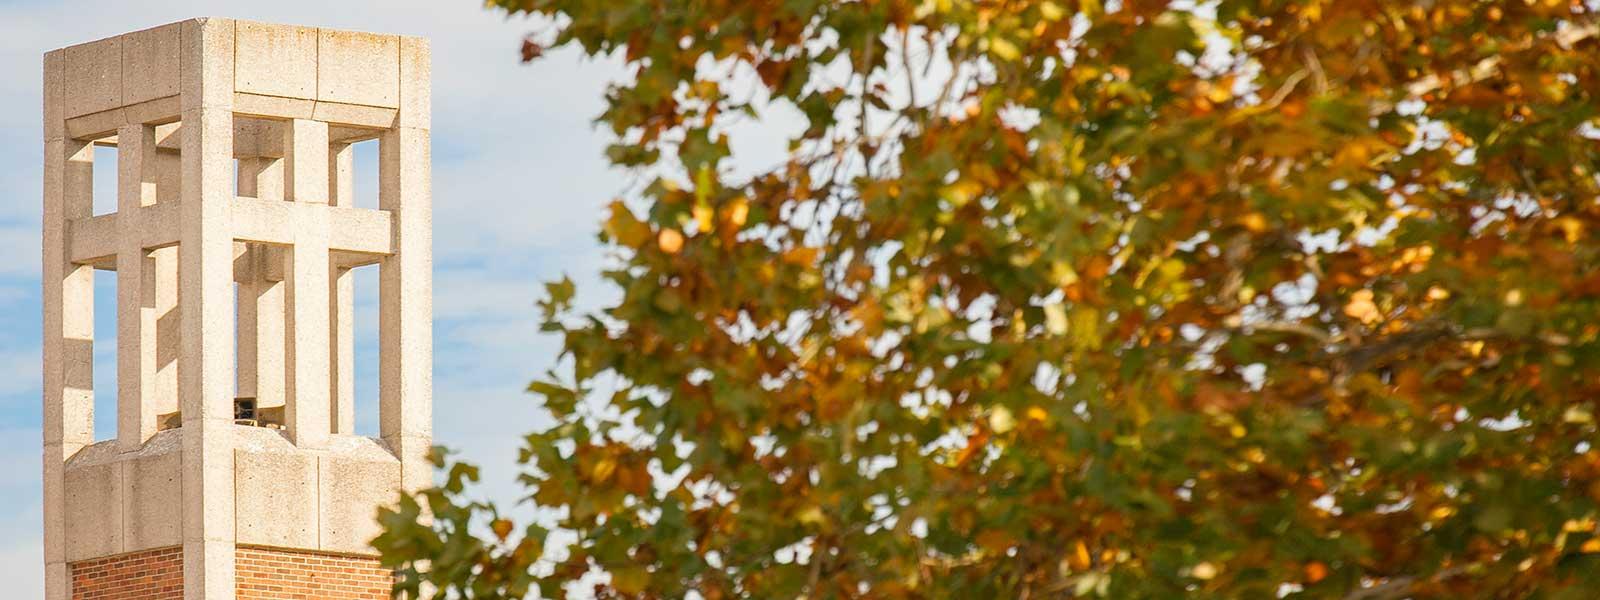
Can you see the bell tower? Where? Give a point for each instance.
(234, 470)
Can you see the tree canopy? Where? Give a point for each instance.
(1053, 298)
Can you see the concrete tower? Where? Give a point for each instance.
(234, 471)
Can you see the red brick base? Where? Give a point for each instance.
(274, 574)
(260, 574)
(148, 575)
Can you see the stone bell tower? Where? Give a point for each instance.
(234, 470)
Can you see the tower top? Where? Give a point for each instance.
(234, 462)
(345, 78)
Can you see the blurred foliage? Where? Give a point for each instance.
(1128, 299)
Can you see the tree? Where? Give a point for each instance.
(1134, 299)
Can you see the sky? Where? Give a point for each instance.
(519, 186)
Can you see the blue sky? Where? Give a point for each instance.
(519, 185)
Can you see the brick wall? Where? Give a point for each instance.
(261, 574)
(274, 574)
(148, 575)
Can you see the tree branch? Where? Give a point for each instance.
(1399, 586)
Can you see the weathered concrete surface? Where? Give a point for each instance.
(181, 102)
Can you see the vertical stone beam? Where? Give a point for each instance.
(169, 183)
(341, 305)
(405, 389)
(206, 364)
(342, 310)
(306, 161)
(136, 310)
(167, 317)
(68, 298)
(307, 277)
(341, 174)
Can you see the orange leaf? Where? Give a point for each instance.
(502, 528)
(1316, 571)
(670, 241)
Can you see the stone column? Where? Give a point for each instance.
(206, 364)
(307, 277)
(341, 306)
(169, 181)
(405, 388)
(164, 390)
(136, 288)
(342, 312)
(68, 298)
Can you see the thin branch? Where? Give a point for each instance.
(1399, 586)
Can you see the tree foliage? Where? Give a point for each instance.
(1122, 298)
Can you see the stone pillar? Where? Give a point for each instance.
(206, 364)
(164, 390)
(68, 298)
(342, 312)
(405, 388)
(136, 289)
(342, 307)
(307, 277)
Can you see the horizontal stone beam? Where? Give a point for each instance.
(333, 113)
(357, 236)
(255, 133)
(94, 239)
(359, 230)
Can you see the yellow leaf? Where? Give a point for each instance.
(1254, 222)
(737, 211)
(962, 192)
(1085, 328)
(1577, 414)
(1004, 49)
(1204, 571)
(1571, 228)
(1079, 560)
(703, 216)
(603, 469)
(1591, 546)
(1051, 11)
(1362, 308)
(1062, 273)
(1038, 414)
(1055, 318)
(1001, 420)
(624, 228)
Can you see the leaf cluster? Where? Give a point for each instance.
(1052, 298)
